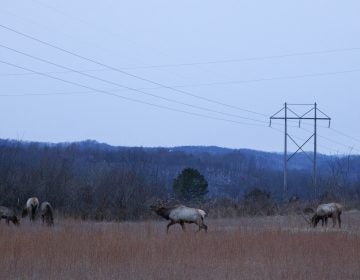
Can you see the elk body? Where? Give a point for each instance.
(324, 211)
(47, 213)
(8, 215)
(181, 214)
(31, 207)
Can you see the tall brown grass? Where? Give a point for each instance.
(244, 248)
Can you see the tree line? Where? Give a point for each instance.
(94, 181)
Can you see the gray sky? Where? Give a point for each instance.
(254, 55)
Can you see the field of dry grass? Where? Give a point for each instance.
(243, 248)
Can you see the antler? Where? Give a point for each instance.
(159, 203)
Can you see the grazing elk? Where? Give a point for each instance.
(47, 213)
(9, 215)
(31, 207)
(324, 211)
(181, 214)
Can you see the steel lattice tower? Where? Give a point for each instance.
(288, 112)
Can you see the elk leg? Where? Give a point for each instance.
(33, 214)
(339, 221)
(183, 226)
(169, 225)
(334, 220)
(317, 219)
(7, 221)
(326, 220)
(199, 228)
(204, 227)
(201, 225)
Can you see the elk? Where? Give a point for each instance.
(324, 211)
(181, 214)
(9, 215)
(47, 213)
(31, 207)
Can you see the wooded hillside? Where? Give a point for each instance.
(89, 179)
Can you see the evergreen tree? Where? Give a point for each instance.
(190, 185)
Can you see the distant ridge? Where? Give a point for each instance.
(230, 172)
(269, 160)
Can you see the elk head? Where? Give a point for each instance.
(15, 220)
(24, 212)
(314, 220)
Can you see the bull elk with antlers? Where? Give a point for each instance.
(181, 214)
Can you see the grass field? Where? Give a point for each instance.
(244, 248)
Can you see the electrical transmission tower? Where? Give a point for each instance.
(288, 112)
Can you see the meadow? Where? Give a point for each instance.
(277, 247)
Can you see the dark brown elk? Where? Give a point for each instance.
(181, 214)
(324, 211)
(31, 208)
(47, 213)
(8, 215)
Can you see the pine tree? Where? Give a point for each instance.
(190, 185)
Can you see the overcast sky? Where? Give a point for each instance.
(252, 55)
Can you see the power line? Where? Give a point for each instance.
(340, 133)
(174, 88)
(151, 104)
(335, 142)
(197, 107)
(255, 58)
(46, 93)
(328, 139)
(203, 98)
(291, 113)
(128, 98)
(303, 139)
(324, 137)
(343, 134)
(275, 78)
(51, 72)
(129, 88)
(213, 62)
(221, 61)
(83, 40)
(57, 30)
(128, 74)
(291, 77)
(82, 21)
(346, 135)
(91, 92)
(273, 123)
(339, 143)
